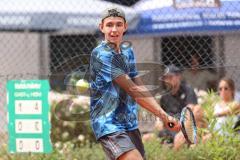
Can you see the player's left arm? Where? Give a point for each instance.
(191, 101)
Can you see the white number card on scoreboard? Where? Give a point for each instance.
(28, 126)
(29, 144)
(28, 107)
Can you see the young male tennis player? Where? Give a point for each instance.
(115, 91)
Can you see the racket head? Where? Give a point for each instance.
(188, 125)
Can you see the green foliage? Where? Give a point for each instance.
(75, 132)
(208, 104)
(66, 151)
(218, 148)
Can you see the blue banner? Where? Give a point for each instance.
(170, 20)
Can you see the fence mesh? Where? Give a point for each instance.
(54, 41)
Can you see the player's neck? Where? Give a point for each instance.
(116, 46)
(117, 49)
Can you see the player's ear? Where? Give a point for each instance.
(125, 26)
(100, 26)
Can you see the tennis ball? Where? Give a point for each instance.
(82, 86)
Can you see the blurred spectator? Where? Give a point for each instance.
(198, 77)
(226, 108)
(227, 105)
(179, 95)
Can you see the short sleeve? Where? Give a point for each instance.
(109, 66)
(191, 96)
(133, 68)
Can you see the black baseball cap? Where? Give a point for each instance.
(113, 12)
(172, 70)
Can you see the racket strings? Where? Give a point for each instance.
(189, 130)
(189, 126)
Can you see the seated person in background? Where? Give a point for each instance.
(226, 107)
(197, 77)
(178, 95)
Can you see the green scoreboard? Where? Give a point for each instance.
(28, 116)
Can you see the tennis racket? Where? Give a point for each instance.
(188, 125)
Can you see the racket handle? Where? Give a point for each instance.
(171, 125)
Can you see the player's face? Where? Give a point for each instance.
(225, 91)
(113, 29)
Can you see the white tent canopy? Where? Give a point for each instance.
(56, 14)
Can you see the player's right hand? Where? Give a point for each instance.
(171, 123)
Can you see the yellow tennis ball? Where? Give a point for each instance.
(82, 86)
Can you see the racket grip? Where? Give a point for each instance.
(170, 125)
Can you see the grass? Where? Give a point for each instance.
(218, 148)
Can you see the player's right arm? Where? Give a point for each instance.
(144, 98)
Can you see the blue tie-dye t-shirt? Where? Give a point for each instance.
(112, 109)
